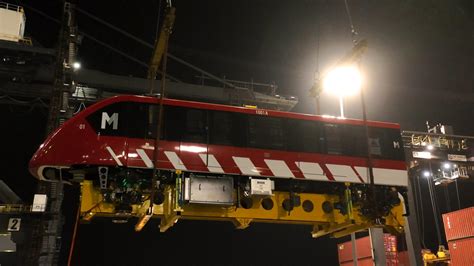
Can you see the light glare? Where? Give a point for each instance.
(343, 81)
(76, 65)
(426, 174)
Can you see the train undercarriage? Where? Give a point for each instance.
(125, 194)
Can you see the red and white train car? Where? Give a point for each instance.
(216, 140)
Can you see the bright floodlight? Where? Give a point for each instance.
(446, 165)
(76, 65)
(343, 81)
(426, 173)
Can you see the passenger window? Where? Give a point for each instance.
(333, 137)
(137, 120)
(266, 132)
(382, 143)
(221, 132)
(354, 141)
(195, 126)
(304, 136)
(152, 115)
(393, 145)
(173, 122)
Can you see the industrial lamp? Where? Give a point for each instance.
(343, 81)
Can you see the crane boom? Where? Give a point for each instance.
(159, 48)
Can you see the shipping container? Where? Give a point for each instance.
(360, 262)
(403, 259)
(364, 250)
(459, 224)
(462, 252)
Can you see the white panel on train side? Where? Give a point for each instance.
(279, 168)
(246, 166)
(211, 162)
(343, 173)
(175, 160)
(312, 171)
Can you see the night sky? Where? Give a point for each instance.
(419, 67)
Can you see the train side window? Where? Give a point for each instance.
(303, 136)
(333, 134)
(152, 115)
(266, 132)
(173, 122)
(221, 128)
(383, 144)
(137, 120)
(195, 126)
(393, 145)
(354, 141)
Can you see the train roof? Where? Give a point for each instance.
(229, 108)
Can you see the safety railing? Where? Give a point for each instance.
(14, 208)
(12, 7)
(26, 40)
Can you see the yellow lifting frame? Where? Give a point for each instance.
(333, 222)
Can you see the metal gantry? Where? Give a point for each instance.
(440, 160)
(47, 233)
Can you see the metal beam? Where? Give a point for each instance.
(333, 223)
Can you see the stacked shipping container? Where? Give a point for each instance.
(364, 252)
(403, 258)
(459, 228)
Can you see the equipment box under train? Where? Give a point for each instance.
(209, 190)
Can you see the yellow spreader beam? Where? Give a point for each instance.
(323, 222)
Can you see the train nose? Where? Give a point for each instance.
(38, 161)
(34, 163)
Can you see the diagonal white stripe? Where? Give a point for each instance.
(114, 156)
(246, 166)
(145, 158)
(212, 163)
(343, 173)
(312, 171)
(175, 161)
(279, 168)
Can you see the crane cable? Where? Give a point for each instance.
(354, 33)
(370, 170)
(156, 171)
(73, 239)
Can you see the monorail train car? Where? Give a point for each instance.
(112, 142)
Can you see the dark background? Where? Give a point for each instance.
(419, 67)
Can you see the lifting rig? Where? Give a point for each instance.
(334, 214)
(338, 213)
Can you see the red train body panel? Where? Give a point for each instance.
(77, 144)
